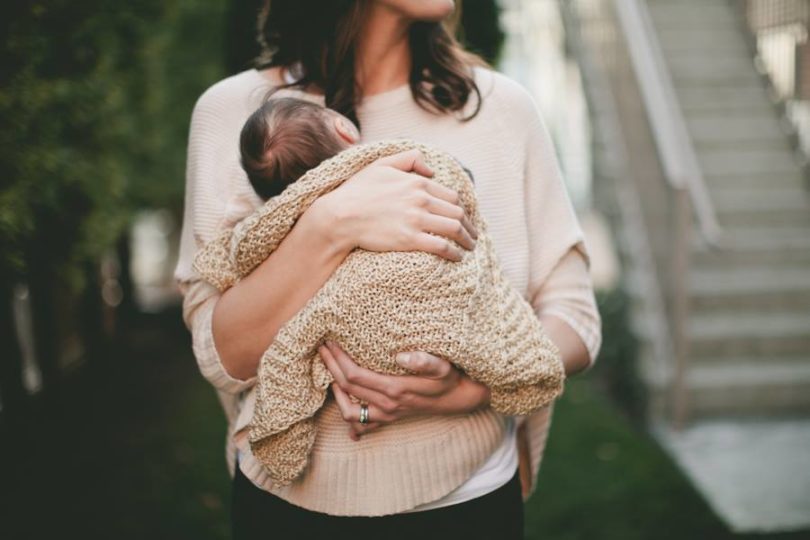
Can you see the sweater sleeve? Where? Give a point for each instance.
(559, 280)
(214, 188)
(568, 294)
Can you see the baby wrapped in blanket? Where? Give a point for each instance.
(375, 304)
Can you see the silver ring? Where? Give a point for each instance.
(363, 413)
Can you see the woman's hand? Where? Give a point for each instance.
(391, 205)
(437, 388)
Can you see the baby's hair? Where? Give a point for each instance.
(283, 139)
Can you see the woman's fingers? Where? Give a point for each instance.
(407, 161)
(438, 389)
(351, 410)
(438, 245)
(427, 365)
(346, 406)
(358, 391)
(397, 391)
(451, 228)
(444, 201)
(451, 197)
(356, 430)
(453, 211)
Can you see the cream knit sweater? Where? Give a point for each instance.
(377, 304)
(535, 234)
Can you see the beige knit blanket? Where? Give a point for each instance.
(377, 304)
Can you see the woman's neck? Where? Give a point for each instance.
(383, 55)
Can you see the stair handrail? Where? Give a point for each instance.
(601, 98)
(672, 138)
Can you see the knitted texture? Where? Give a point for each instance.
(377, 304)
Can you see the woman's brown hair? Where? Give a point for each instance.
(320, 36)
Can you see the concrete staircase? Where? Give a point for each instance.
(749, 326)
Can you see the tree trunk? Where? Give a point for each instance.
(42, 280)
(127, 310)
(94, 337)
(12, 391)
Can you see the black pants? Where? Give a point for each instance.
(256, 514)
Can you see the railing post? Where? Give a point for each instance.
(679, 282)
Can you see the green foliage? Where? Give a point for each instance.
(95, 100)
(616, 368)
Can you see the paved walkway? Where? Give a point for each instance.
(755, 474)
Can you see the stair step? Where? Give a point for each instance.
(700, 4)
(691, 12)
(710, 65)
(700, 76)
(765, 219)
(759, 217)
(785, 288)
(729, 259)
(759, 331)
(744, 141)
(760, 182)
(749, 387)
(735, 162)
(770, 199)
(671, 33)
(710, 85)
(759, 128)
(724, 98)
(766, 238)
(776, 247)
(697, 39)
(766, 208)
(686, 17)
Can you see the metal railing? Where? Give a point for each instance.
(662, 195)
(780, 42)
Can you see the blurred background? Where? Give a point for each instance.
(683, 130)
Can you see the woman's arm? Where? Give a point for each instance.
(560, 290)
(388, 206)
(564, 304)
(248, 315)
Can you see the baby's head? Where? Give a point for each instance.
(286, 137)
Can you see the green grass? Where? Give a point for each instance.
(603, 478)
(136, 450)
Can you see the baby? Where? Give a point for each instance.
(375, 304)
(286, 137)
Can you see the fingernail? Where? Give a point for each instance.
(404, 359)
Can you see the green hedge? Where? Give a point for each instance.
(96, 96)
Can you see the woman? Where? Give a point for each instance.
(431, 457)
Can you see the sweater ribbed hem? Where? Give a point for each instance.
(372, 478)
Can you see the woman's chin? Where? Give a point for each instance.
(422, 10)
